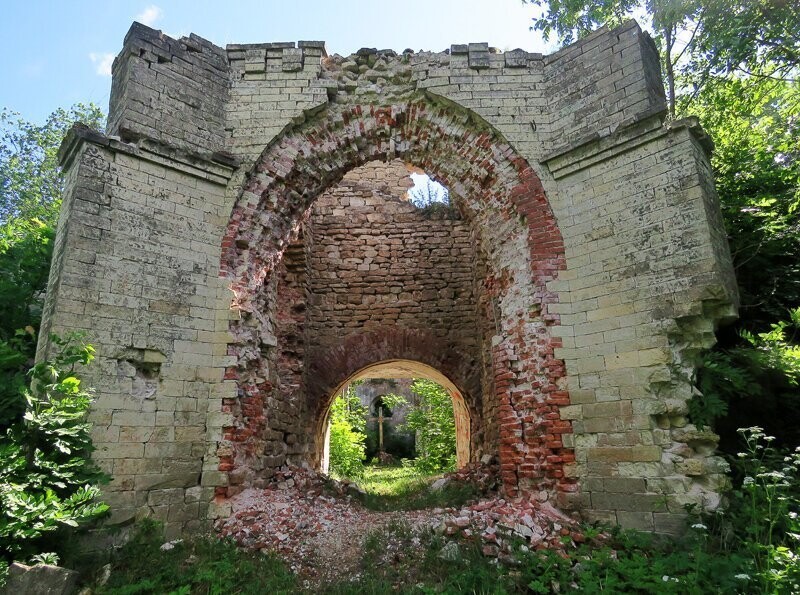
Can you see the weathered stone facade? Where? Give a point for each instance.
(233, 275)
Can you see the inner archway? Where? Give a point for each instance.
(402, 369)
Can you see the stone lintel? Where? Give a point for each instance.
(595, 148)
(217, 167)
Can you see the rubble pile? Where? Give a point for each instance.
(311, 521)
(485, 476)
(318, 526)
(499, 524)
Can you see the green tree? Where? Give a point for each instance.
(348, 434)
(758, 38)
(755, 125)
(31, 185)
(573, 19)
(30, 179)
(433, 419)
(708, 37)
(47, 479)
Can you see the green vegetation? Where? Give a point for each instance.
(430, 417)
(756, 380)
(202, 564)
(625, 562)
(31, 183)
(433, 420)
(30, 196)
(347, 437)
(47, 480)
(404, 487)
(764, 510)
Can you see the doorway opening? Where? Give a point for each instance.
(394, 429)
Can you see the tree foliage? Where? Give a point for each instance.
(700, 39)
(433, 419)
(30, 196)
(755, 125)
(573, 19)
(752, 37)
(348, 435)
(30, 179)
(758, 379)
(47, 479)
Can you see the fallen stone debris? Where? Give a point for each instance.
(318, 526)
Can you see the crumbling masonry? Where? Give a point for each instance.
(236, 255)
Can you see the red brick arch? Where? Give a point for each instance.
(494, 188)
(361, 351)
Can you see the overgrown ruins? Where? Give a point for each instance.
(235, 248)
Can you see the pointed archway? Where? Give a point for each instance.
(514, 369)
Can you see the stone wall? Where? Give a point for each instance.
(367, 259)
(376, 260)
(135, 268)
(597, 266)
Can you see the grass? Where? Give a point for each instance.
(404, 488)
(397, 560)
(202, 565)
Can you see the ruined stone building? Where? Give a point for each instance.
(233, 274)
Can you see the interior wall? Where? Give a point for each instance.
(367, 259)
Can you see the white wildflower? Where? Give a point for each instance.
(742, 577)
(699, 526)
(170, 545)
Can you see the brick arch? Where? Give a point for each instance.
(495, 189)
(360, 350)
(453, 144)
(424, 352)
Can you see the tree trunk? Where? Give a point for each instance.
(669, 38)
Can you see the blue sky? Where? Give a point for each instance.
(56, 53)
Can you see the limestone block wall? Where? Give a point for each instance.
(608, 78)
(169, 90)
(599, 266)
(645, 281)
(137, 269)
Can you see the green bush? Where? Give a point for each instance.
(25, 250)
(433, 419)
(31, 185)
(347, 437)
(47, 479)
(764, 512)
(756, 382)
